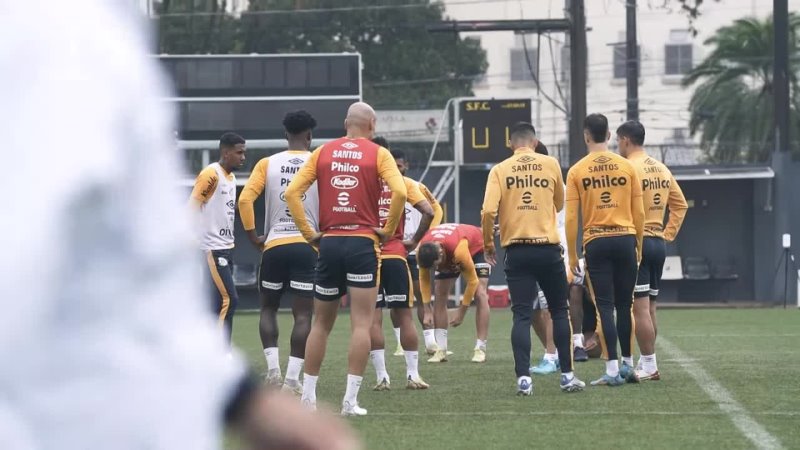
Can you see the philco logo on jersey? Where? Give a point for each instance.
(344, 182)
(345, 167)
(655, 183)
(526, 182)
(603, 182)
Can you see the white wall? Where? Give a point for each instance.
(663, 103)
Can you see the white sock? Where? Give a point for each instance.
(430, 338)
(649, 364)
(412, 365)
(441, 338)
(569, 375)
(552, 357)
(294, 368)
(310, 388)
(273, 361)
(628, 360)
(378, 358)
(397, 335)
(353, 386)
(481, 344)
(612, 368)
(577, 340)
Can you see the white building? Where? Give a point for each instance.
(667, 50)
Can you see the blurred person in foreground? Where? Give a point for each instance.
(112, 344)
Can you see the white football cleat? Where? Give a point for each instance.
(349, 409)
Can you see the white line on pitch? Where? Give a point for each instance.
(734, 335)
(751, 429)
(573, 413)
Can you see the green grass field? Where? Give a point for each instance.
(748, 360)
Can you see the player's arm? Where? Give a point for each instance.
(294, 196)
(252, 189)
(491, 204)
(464, 261)
(558, 194)
(387, 170)
(204, 186)
(677, 210)
(438, 213)
(425, 285)
(637, 211)
(573, 203)
(420, 203)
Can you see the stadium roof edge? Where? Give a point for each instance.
(722, 172)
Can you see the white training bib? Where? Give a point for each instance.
(413, 219)
(218, 213)
(281, 169)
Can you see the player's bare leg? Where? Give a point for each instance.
(302, 307)
(410, 342)
(543, 326)
(643, 309)
(324, 318)
(377, 353)
(441, 320)
(427, 330)
(481, 320)
(576, 317)
(653, 308)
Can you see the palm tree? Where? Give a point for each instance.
(731, 109)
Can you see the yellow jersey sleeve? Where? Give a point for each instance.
(437, 208)
(294, 194)
(491, 204)
(252, 189)
(462, 257)
(677, 210)
(573, 204)
(387, 170)
(413, 193)
(205, 184)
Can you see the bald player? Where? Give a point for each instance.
(659, 191)
(605, 190)
(348, 172)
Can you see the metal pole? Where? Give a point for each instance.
(577, 40)
(632, 60)
(781, 74)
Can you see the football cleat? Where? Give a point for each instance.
(399, 350)
(478, 356)
(607, 380)
(571, 385)
(628, 373)
(293, 386)
(353, 409)
(416, 384)
(382, 385)
(641, 375)
(524, 386)
(545, 367)
(438, 356)
(580, 355)
(432, 349)
(273, 378)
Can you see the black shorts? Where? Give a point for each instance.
(345, 261)
(395, 287)
(654, 252)
(412, 266)
(482, 268)
(288, 266)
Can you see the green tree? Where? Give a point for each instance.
(404, 65)
(732, 105)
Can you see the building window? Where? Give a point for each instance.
(521, 69)
(677, 59)
(620, 59)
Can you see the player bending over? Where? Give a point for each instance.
(452, 250)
